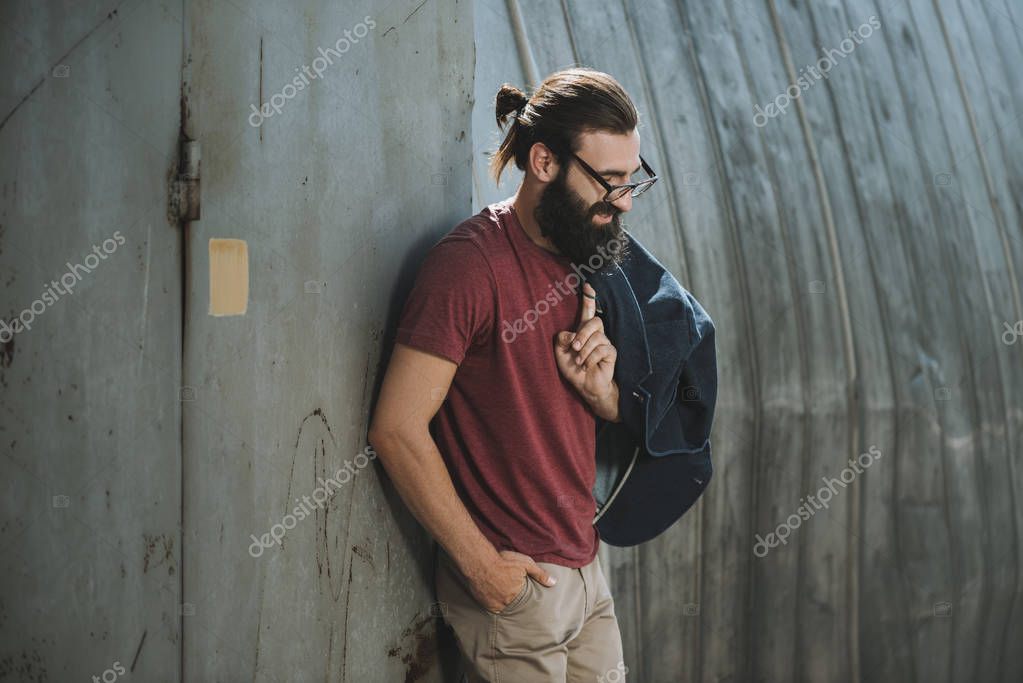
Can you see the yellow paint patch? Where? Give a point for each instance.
(229, 277)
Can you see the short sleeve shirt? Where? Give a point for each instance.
(518, 440)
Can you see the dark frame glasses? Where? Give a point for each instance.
(615, 192)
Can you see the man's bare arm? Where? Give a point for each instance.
(413, 390)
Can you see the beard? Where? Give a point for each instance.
(567, 221)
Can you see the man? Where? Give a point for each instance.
(486, 419)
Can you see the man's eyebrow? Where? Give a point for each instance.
(618, 172)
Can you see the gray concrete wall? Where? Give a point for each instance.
(861, 256)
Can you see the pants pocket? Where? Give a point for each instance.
(519, 598)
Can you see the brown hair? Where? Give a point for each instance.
(567, 103)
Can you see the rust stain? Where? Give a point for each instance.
(417, 648)
(158, 550)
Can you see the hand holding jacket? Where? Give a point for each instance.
(654, 465)
(586, 358)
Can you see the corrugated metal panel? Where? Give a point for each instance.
(338, 195)
(372, 153)
(860, 257)
(90, 410)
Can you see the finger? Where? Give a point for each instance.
(590, 327)
(600, 354)
(595, 340)
(589, 298)
(537, 572)
(564, 340)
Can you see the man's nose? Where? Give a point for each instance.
(623, 204)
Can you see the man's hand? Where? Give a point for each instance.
(586, 358)
(497, 585)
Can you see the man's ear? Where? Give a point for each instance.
(543, 163)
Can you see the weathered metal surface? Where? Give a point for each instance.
(89, 414)
(338, 194)
(860, 255)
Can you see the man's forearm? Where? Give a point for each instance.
(417, 469)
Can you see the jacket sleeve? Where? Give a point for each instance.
(689, 414)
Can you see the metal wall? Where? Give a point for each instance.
(338, 196)
(89, 410)
(860, 256)
(144, 441)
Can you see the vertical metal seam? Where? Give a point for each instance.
(183, 270)
(522, 43)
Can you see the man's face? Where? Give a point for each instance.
(571, 211)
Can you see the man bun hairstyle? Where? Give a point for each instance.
(568, 102)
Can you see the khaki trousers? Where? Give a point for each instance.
(565, 633)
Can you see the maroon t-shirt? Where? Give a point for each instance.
(517, 439)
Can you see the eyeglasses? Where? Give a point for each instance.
(615, 192)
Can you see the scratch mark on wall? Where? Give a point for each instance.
(60, 60)
(260, 82)
(364, 554)
(138, 650)
(145, 293)
(414, 11)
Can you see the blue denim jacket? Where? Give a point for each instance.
(655, 463)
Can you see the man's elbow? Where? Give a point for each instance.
(379, 436)
(387, 439)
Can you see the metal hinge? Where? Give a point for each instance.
(184, 190)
